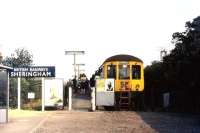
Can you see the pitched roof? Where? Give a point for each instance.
(5, 67)
(123, 57)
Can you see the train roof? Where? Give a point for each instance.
(123, 57)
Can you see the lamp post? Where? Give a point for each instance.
(78, 69)
(74, 53)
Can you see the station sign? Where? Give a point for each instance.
(33, 71)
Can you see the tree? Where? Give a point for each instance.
(180, 69)
(184, 62)
(20, 58)
(185, 57)
(154, 84)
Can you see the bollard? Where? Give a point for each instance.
(70, 99)
(93, 99)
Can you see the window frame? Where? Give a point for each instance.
(114, 71)
(138, 77)
(121, 71)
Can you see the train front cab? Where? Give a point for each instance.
(128, 83)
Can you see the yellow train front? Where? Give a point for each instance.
(121, 83)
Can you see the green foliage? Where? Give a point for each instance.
(184, 58)
(13, 93)
(21, 58)
(154, 74)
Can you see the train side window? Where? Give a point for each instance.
(111, 71)
(136, 71)
(124, 71)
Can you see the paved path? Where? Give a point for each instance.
(81, 102)
(172, 122)
(95, 122)
(80, 120)
(24, 123)
(103, 122)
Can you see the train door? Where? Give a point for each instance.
(105, 87)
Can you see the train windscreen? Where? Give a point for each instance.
(136, 71)
(111, 71)
(124, 71)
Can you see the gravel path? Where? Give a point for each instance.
(102, 122)
(172, 122)
(82, 121)
(119, 122)
(95, 122)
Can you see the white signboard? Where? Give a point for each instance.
(100, 85)
(3, 115)
(105, 85)
(53, 92)
(31, 95)
(105, 95)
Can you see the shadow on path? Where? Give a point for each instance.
(172, 122)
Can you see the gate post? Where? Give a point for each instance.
(93, 99)
(70, 99)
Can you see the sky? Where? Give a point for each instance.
(102, 28)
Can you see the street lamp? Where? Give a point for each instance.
(74, 53)
(78, 65)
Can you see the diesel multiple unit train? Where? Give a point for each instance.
(120, 83)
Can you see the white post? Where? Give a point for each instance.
(70, 99)
(93, 99)
(43, 95)
(8, 90)
(78, 71)
(19, 93)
